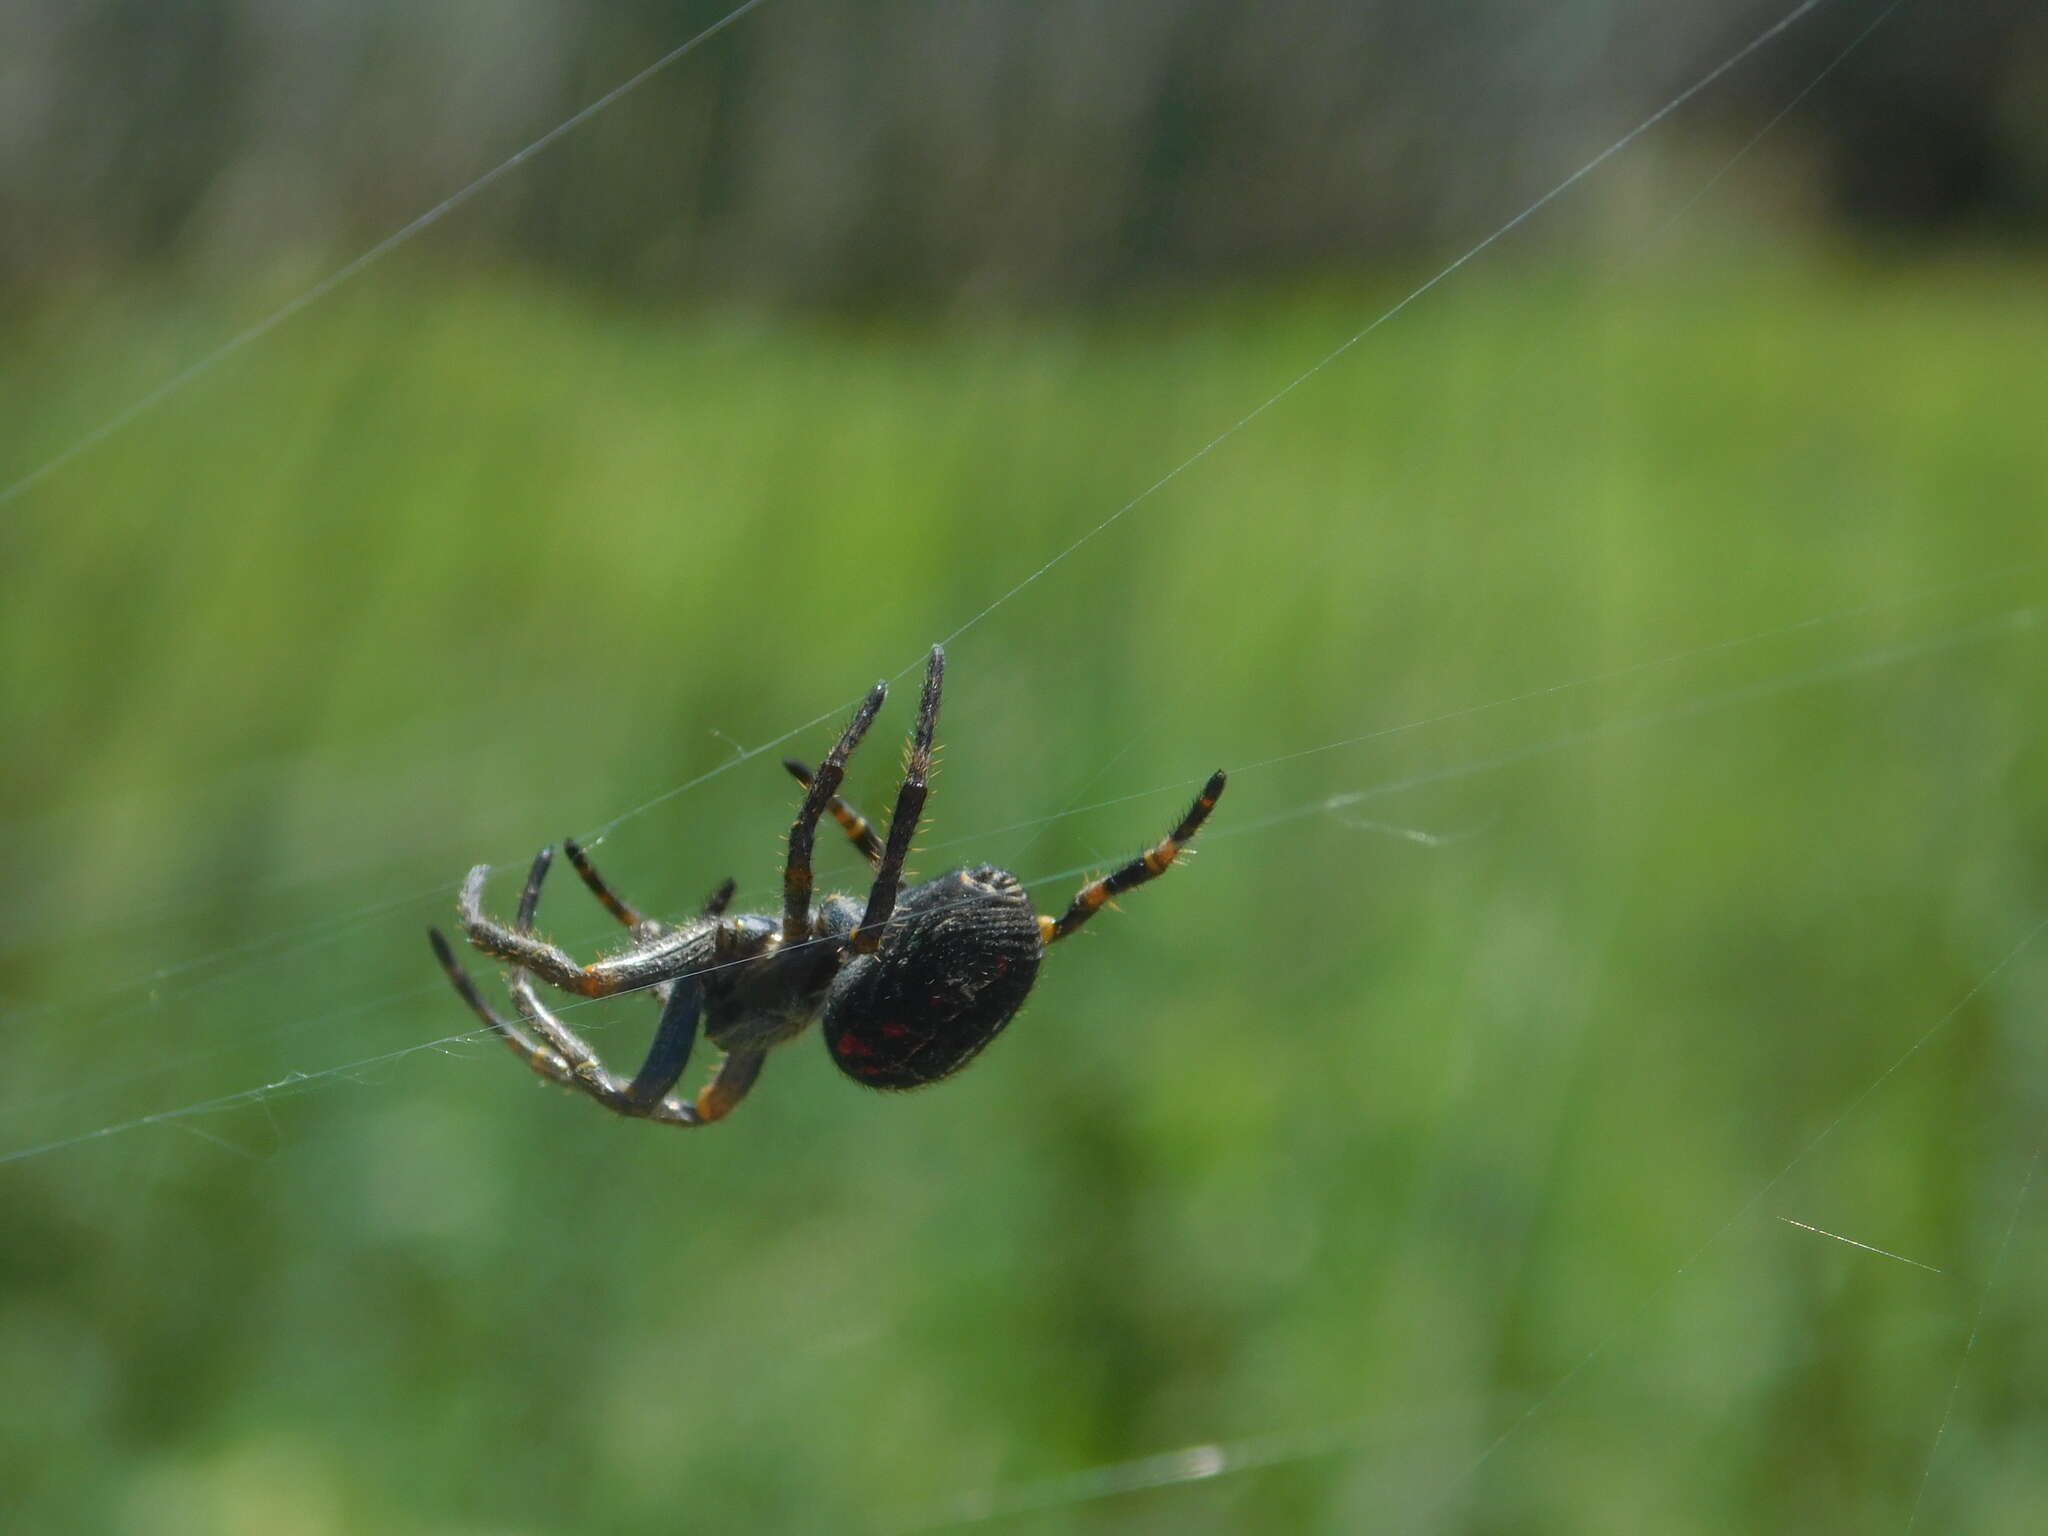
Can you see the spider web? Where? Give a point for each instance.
(1209, 1461)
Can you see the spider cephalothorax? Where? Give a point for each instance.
(910, 986)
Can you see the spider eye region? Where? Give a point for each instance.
(961, 956)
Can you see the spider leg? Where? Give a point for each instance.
(1149, 865)
(631, 916)
(617, 905)
(642, 926)
(547, 1062)
(529, 893)
(735, 1076)
(851, 822)
(585, 1070)
(649, 963)
(867, 937)
(796, 875)
(566, 1057)
(524, 949)
(648, 1097)
(682, 1005)
(670, 1052)
(714, 906)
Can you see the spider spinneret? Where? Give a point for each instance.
(910, 984)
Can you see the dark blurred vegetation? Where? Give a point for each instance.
(1629, 661)
(953, 147)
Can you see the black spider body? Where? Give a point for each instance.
(966, 954)
(910, 986)
(767, 999)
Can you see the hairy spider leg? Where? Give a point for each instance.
(590, 1076)
(851, 822)
(647, 1095)
(867, 937)
(587, 1072)
(617, 905)
(524, 949)
(584, 1070)
(565, 1059)
(735, 1076)
(546, 1062)
(640, 926)
(667, 1056)
(644, 965)
(622, 909)
(1149, 865)
(796, 874)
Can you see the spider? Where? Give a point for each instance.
(910, 986)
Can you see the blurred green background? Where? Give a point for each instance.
(1628, 660)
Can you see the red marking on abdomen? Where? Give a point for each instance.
(851, 1044)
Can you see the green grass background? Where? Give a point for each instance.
(1436, 1182)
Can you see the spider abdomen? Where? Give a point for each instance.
(960, 957)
